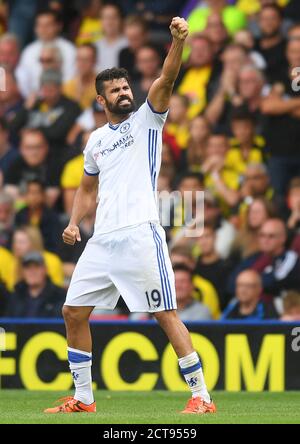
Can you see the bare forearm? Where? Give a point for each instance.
(279, 106)
(215, 108)
(172, 62)
(82, 202)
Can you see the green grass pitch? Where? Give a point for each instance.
(158, 407)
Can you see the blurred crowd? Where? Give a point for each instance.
(233, 131)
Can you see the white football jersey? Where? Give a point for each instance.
(127, 158)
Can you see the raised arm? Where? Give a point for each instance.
(273, 105)
(85, 195)
(161, 90)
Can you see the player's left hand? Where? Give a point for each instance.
(179, 28)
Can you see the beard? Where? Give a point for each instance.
(121, 110)
(270, 35)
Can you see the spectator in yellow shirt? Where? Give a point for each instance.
(197, 74)
(82, 87)
(178, 123)
(246, 147)
(219, 179)
(70, 181)
(25, 240)
(6, 268)
(90, 27)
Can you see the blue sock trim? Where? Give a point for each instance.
(193, 368)
(76, 358)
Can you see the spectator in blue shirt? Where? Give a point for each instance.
(247, 304)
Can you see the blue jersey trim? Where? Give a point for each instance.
(111, 126)
(90, 174)
(77, 358)
(192, 369)
(153, 110)
(159, 261)
(165, 270)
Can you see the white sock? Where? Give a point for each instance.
(80, 366)
(191, 369)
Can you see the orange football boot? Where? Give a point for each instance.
(71, 405)
(198, 406)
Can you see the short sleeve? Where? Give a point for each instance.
(90, 164)
(150, 117)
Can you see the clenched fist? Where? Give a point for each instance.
(179, 28)
(71, 234)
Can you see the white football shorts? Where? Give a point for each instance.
(132, 262)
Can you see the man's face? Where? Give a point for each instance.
(33, 149)
(147, 62)
(257, 181)
(272, 238)
(215, 29)
(136, 36)
(234, 59)
(21, 244)
(201, 53)
(118, 97)
(34, 274)
(6, 214)
(199, 129)
(178, 109)
(111, 20)
(46, 28)
(243, 130)
(85, 60)
(9, 55)
(293, 53)
(248, 287)
(50, 92)
(206, 242)
(250, 85)
(217, 146)
(184, 286)
(269, 22)
(48, 59)
(257, 214)
(34, 196)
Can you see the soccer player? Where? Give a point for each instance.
(128, 253)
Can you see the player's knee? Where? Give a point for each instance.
(165, 316)
(71, 315)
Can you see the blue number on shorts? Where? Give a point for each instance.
(155, 299)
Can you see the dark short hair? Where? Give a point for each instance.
(110, 74)
(55, 15)
(183, 267)
(294, 183)
(115, 5)
(275, 8)
(190, 175)
(137, 20)
(154, 48)
(36, 181)
(90, 46)
(242, 113)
